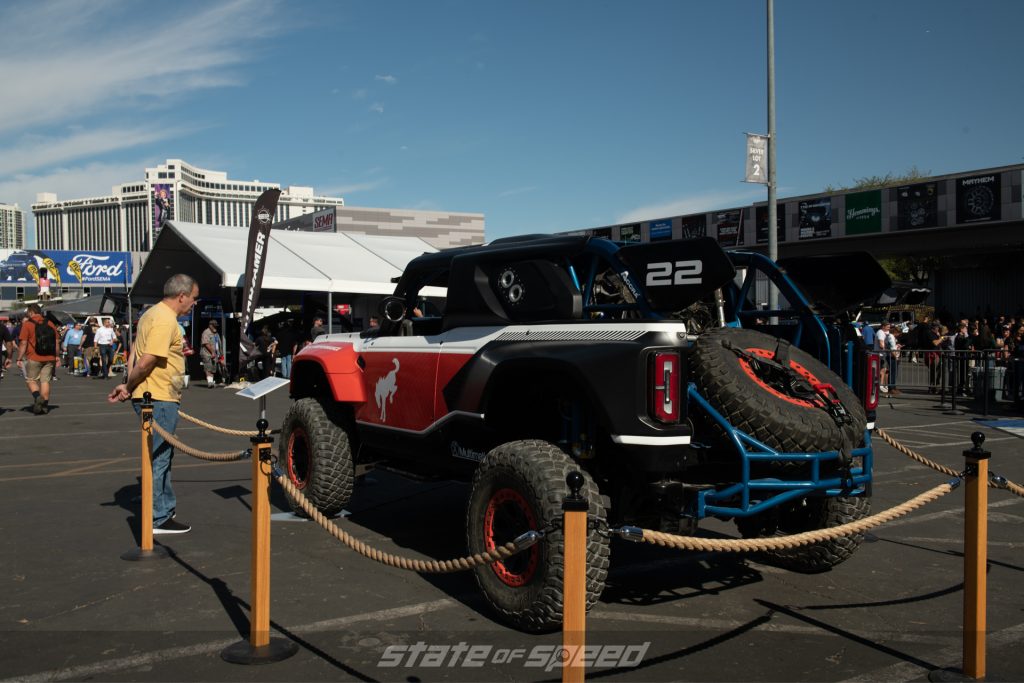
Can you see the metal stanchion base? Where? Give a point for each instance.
(278, 649)
(157, 553)
(949, 676)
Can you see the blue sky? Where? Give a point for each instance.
(544, 116)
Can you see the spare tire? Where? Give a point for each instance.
(780, 420)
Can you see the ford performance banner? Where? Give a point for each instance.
(66, 268)
(255, 266)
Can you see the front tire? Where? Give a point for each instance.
(316, 455)
(520, 486)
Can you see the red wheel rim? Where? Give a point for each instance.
(799, 369)
(508, 515)
(298, 457)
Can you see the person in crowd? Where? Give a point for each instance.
(158, 367)
(210, 351)
(88, 349)
(105, 339)
(317, 329)
(7, 349)
(287, 341)
(931, 345)
(893, 346)
(267, 346)
(961, 346)
(882, 349)
(72, 344)
(374, 322)
(867, 333)
(37, 356)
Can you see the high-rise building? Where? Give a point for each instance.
(12, 227)
(129, 219)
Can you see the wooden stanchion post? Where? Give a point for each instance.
(975, 565)
(260, 648)
(975, 557)
(146, 551)
(574, 606)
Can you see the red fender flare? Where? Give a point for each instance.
(340, 364)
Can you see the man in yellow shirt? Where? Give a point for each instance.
(158, 366)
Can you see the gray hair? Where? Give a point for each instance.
(177, 285)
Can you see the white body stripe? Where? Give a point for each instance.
(633, 440)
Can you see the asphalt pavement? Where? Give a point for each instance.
(72, 609)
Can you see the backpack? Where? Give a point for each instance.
(46, 339)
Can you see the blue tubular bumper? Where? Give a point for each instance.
(736, 500)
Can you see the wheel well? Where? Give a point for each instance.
(310, 381)
(537, 400)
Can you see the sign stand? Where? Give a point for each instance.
(260, 648)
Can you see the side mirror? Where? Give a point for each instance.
(392, 308)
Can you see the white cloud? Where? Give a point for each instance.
(35, 151)
(697, 203)
(353, 188)
(359, 94)
(387, 78)
(377, 107)
(90, 59)
(517, 190)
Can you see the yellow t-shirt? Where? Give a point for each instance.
(160, 336)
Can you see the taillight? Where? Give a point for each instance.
(664, 382)
(872, 368)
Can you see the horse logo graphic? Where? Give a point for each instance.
(385, 390)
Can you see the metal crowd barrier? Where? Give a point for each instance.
(987, 377)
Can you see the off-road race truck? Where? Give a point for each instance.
(650, 368)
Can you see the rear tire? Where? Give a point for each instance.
(778, 421)
(316, 455)
(809, 514)
(520, 486)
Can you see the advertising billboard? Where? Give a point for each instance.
(761, 223)
(163, 206)
(661, 230)
(629, 233)
(815, 218)
(605, 233)
(730, 227)
(67, 267)
(917, 206)
(864, 212)
(978, 199)
(694, 226)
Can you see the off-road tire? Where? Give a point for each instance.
(316, 455)
(531, 472)
(751, 407)
(809, 514)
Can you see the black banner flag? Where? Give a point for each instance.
(255, 264)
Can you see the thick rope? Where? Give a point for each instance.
(222, 430)
(227, 456)
(1003, 484)
(412, 564)
(743, 545)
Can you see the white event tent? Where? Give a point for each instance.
(296, 262)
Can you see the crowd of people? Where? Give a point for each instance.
(995, 341)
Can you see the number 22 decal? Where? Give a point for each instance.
(666, 273)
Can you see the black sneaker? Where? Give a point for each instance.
(37, 407)
(172, 526)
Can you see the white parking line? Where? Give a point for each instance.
(98, 669)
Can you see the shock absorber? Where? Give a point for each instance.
(720, 306)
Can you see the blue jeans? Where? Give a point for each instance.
(286, 366)
(106, 358)
(165, 413)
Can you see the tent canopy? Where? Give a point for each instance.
(295, 261)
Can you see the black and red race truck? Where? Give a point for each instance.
(650, 368)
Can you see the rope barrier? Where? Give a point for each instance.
(223, 430)
(412, 564)
(744, 545)
(995, 481)
(224, 456)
